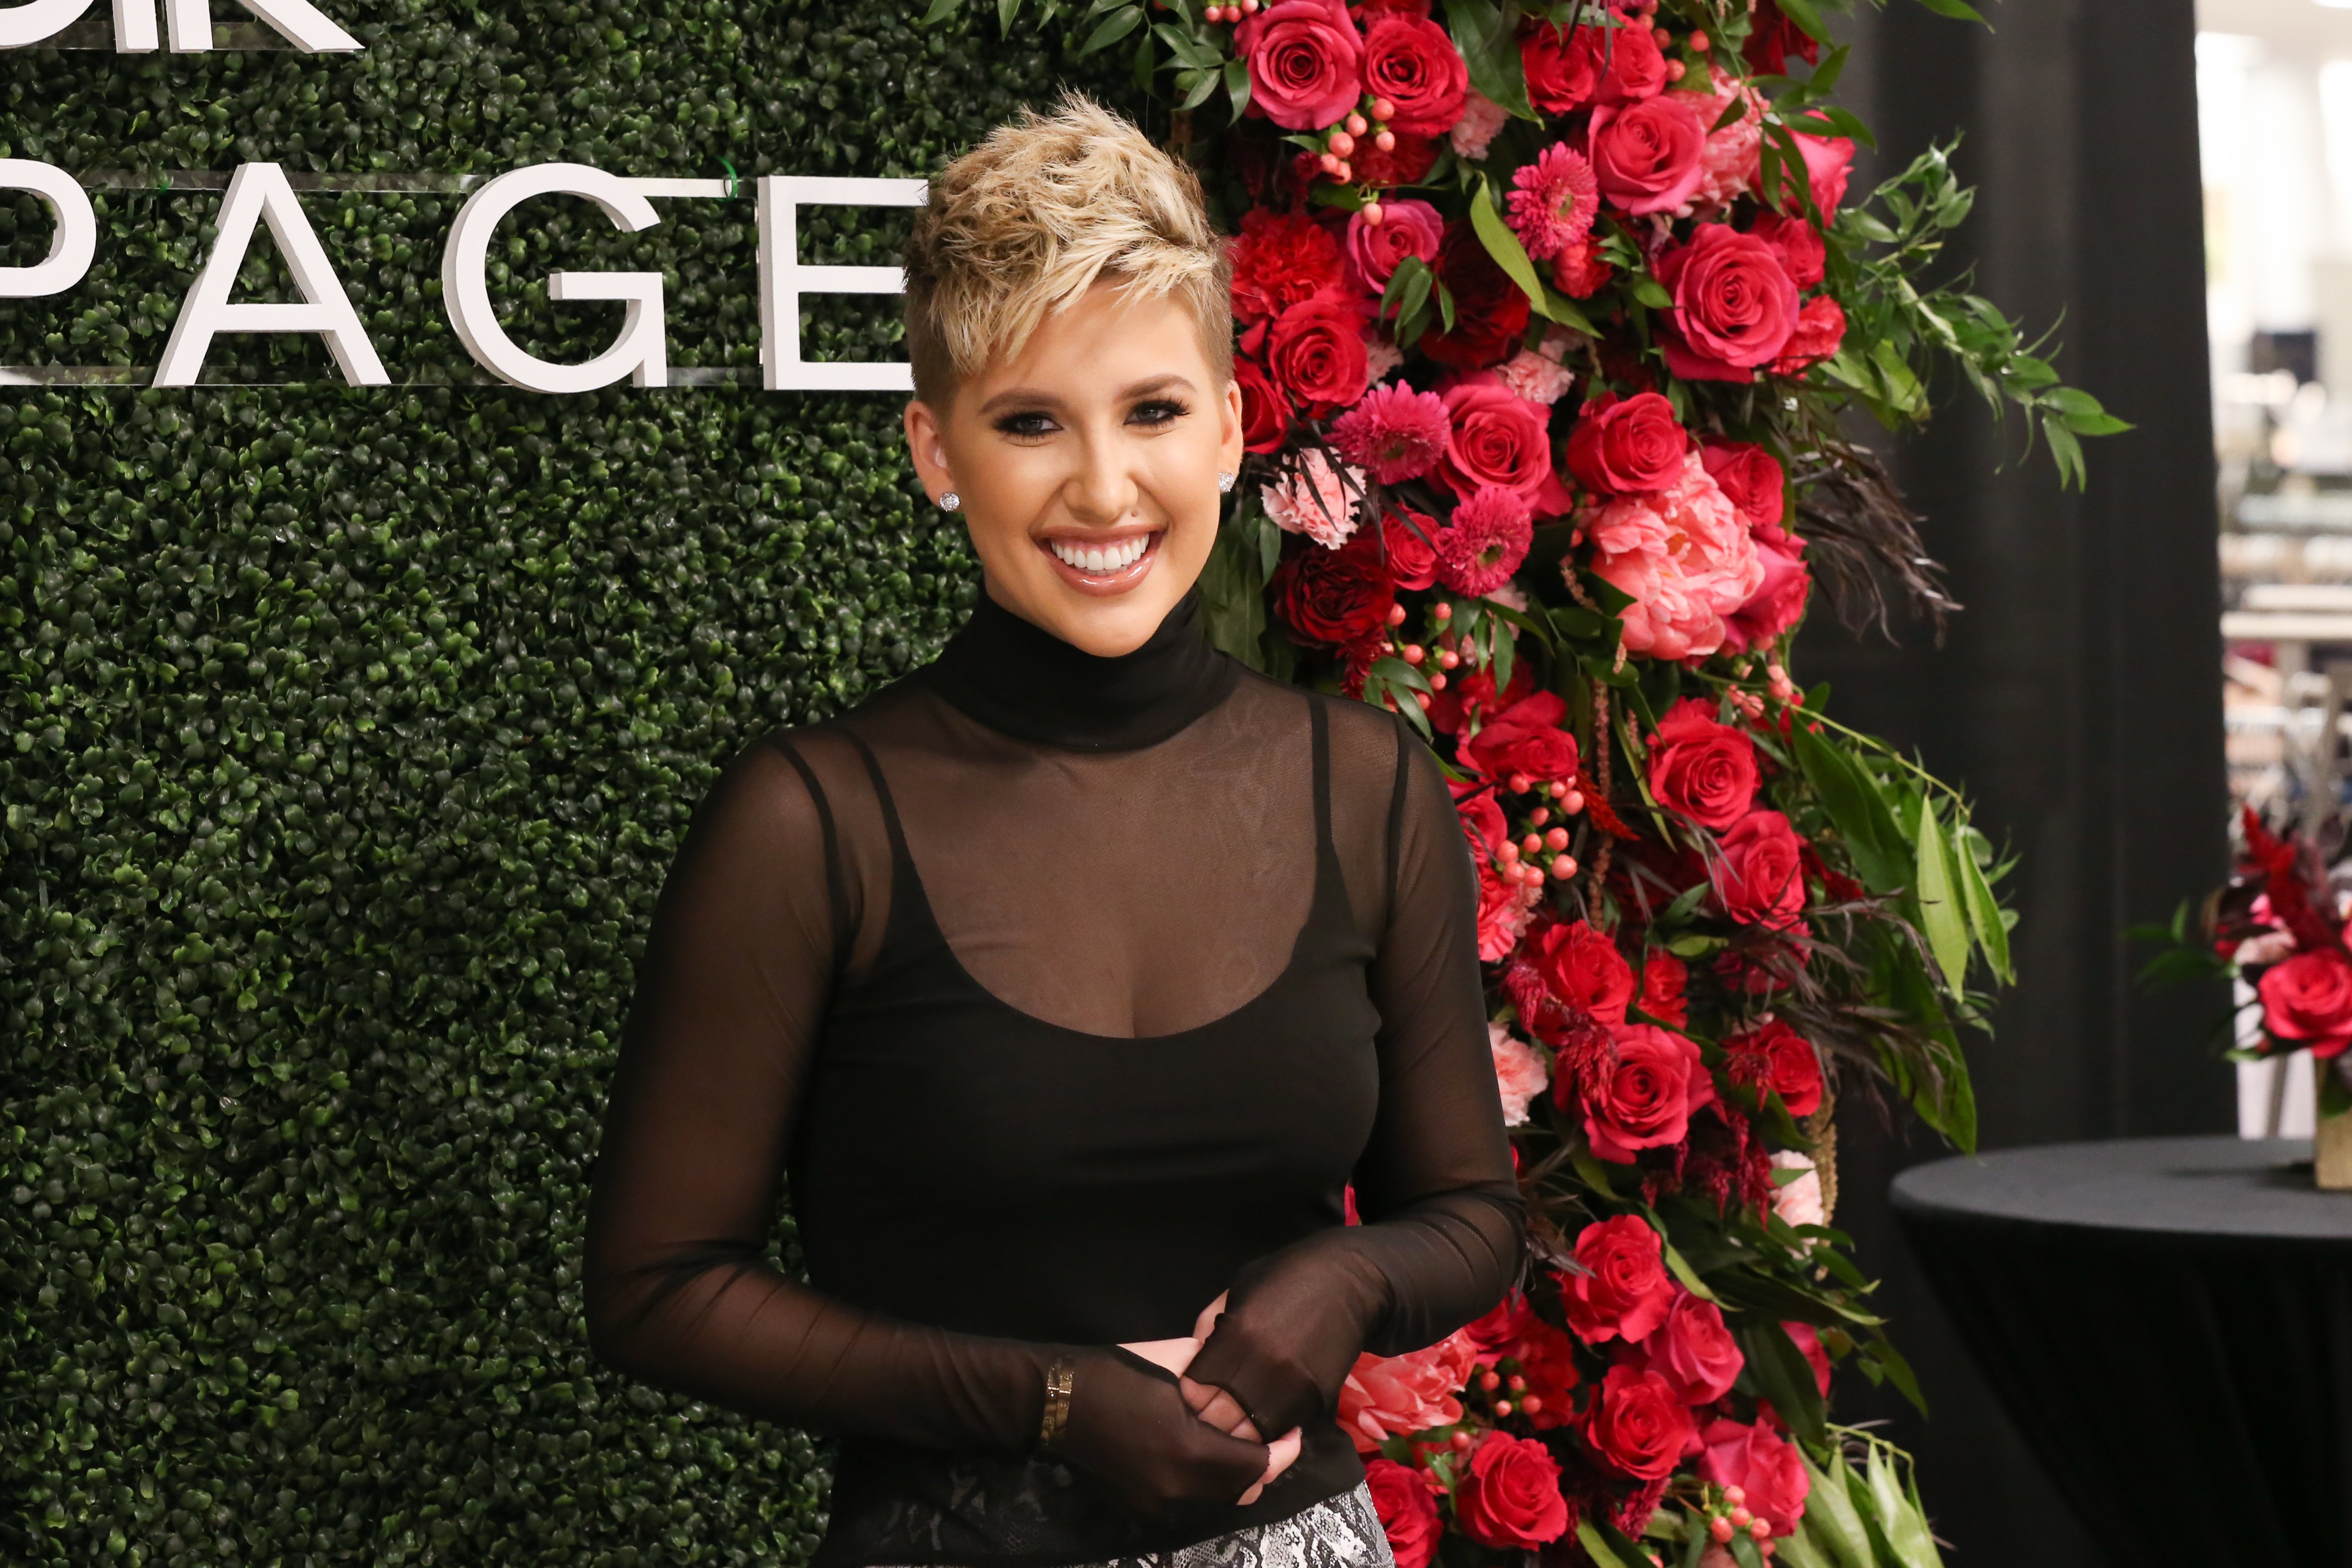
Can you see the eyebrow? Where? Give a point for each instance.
(1143, 388)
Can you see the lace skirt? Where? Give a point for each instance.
(1343, 1532)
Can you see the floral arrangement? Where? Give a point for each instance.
(1548, 318)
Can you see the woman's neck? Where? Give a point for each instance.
(1015, 677)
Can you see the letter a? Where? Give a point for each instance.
(259, 192)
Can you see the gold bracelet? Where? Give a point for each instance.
(1059, 1377)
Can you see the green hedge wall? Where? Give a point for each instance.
(344, 737)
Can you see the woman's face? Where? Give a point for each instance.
(1089, 466)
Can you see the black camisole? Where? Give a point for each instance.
(1060, 988)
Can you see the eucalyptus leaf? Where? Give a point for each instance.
(1940, 899)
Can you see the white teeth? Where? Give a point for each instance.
(1116, 557)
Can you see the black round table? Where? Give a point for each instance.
(2168, 1320)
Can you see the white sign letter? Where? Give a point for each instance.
(305, 26)
(77, 237)
(134, 28)
(641, 353)
(21, 25)
(782, 281)
(259, 192)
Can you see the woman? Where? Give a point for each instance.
(1071, 980)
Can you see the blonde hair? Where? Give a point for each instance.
(1025, 223)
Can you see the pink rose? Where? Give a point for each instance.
(1640, 1093)
(1528, 738)
(1620, 1289)
(1520, 1072)
(1371, 251)
(1397, 1395)
(1649, 157)
(1808, 1341)
(1762, 1464)
(1316, 355)
(1735, 306)
(1751, 476)
(1501, 439)
(2307, 1002)
(1799, 244)
(1627, 446)
(1828, 159)
(1306, 63)
(1411, 62)
(1684, 556)
(1406, 1501)
(1693, 1350)
(1778, 603)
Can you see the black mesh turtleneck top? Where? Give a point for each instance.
(1063, 988)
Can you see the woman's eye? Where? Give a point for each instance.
(1029, 424)
(1158, 411)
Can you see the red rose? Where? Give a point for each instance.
(1490, 314)
(1547, 1361)
(1828, 162)
(1579, 272)
(1751, 476)
(1562, 66)
(1500, 438)
(1664, 978)
(1316, 356)
(1334, 597)
(1464, 702)
(1779, 602)
(1498, 1334)
(1582, 968)
(1735, 308)
(1773, 38)
(1620, 1289)
(1703, 769)
(1510, 1496)
(1407, 228)
(1367, 11)
(2307, 1001)
(1413, 555)
(1413, 65)
(1648, 158)
(1799, 244)
(1808, 1340)
(1760, 1463)
(1306, 63)
(1760, 879)
(1280, 260)
(1640, 1092)
(1821, 333)
(1629, 446)
(1638, 1427)
(1635, 65)
(1774, 1056)
(1265, 413)
(1407, 1511)
(1524, 739)
(1693, 1352)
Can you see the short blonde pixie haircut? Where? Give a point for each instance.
(1025, 223)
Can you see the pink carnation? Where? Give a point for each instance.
(1520, 1072)
(1315, 500)
(1381, 357)
(1396, 433)
(1530, 376)
(1730, 164)
(1482, 116)
(1556, 202)
(1396, 1396)
(1685, 555)
(1483, 546)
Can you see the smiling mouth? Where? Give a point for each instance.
(1103, 565)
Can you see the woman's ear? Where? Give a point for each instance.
(1230, 451)
(923, 444)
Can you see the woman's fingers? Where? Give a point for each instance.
(1279, 1454)
(1175, 1354)
(1219, 1409)
(1208, 1318)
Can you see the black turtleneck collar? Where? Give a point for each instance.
(1014, 676)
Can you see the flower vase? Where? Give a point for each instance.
(2332, 1137)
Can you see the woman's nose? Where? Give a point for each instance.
(1103, 490)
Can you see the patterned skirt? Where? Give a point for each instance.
(1343, 1532)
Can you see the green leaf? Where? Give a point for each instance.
(939, 9)
(1984, 915)
(1505, 247)
(1906, 1531)
(1005, 11)
(1237, 86)
(1799, 1550)
(1784, 1377)
(1940, 900)
(1113, 27)
(1858, 808)
(1680, 1267)
(1650, 293)
(1808, 20)
(1958, 10)
(1596, 1546)
(1484, 33)
(1831, 1519)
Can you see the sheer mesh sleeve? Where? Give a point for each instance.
(697, 1129)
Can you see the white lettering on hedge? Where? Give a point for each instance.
(259, 192)
(782, 281)
(641, 353)
(304, 25)
(76, 236)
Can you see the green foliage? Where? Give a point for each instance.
(344, 737)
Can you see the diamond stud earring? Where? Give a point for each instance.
(950, 501)
(1224, 483)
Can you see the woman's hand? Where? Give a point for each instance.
(1131, 1430)
(1279, 1343)
(1215, 1405)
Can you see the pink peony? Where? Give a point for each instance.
(1556, 201)
(1371, 251)
(1315, 500)
(1482, 116)
(1396, 434)
(1483, 546)
(1686, 556)
(1762, 1464)
(1520, 1072)
(1535, 378)
(1396, 1396)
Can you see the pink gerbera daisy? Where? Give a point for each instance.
(1396, 434)
(1556, 202)
(1483, 546)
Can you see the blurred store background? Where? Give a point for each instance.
(2274, 111)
